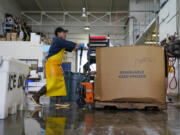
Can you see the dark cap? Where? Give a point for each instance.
(60, 29)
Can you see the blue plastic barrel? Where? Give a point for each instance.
(76, 79)
(66, 66)
(67, 78)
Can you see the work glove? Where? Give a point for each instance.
(81, 46)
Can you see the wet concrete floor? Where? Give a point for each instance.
(78, 121)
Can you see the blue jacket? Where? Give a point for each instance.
(58, 44)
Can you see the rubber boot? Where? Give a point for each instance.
(59, 103)
(35, 97)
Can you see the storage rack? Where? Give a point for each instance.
(94, 42)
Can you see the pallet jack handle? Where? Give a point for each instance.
(80, 60)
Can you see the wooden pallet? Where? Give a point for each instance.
(130, 105)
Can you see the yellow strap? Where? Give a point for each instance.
(58, 56)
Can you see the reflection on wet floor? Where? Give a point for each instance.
(78, 121)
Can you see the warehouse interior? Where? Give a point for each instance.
(89, 67)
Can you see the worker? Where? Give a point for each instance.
(55, 84)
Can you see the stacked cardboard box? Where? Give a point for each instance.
(11, 36)
(134, 74)
(8, 36)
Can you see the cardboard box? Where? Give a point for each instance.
(8, 36)
(19, 39)
(34, 67)
(134, 73)
(14, 36)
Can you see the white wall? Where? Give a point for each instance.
(145, 5)
(142, 18)
(168, 20)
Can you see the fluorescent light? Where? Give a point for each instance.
(84, 15)
(154, 35)
(86, 28)
(150, 43)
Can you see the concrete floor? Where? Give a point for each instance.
(78, 121)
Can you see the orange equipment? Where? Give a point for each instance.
(89, 92)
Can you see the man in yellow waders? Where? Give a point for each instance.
(55, 86)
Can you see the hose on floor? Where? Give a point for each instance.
(172, 69)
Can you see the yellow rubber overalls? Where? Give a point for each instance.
(54, 76)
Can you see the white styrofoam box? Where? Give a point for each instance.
(40, 84)
(33, 72)
(13, 75)
(36, 84)
(43, 81)
(35, 38)
(34, 76)
(34, 89)
(32, 84)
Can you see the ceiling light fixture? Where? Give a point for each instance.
(86, 28)
(150, 43)
(154, 35)
(84, 14)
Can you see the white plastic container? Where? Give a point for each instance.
(35, 38)
(13, 75)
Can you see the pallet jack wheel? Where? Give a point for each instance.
(90, 106)
(81, 102)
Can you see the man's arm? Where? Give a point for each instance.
(77, 46)
(69, 45)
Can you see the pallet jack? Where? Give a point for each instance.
(86, 92)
